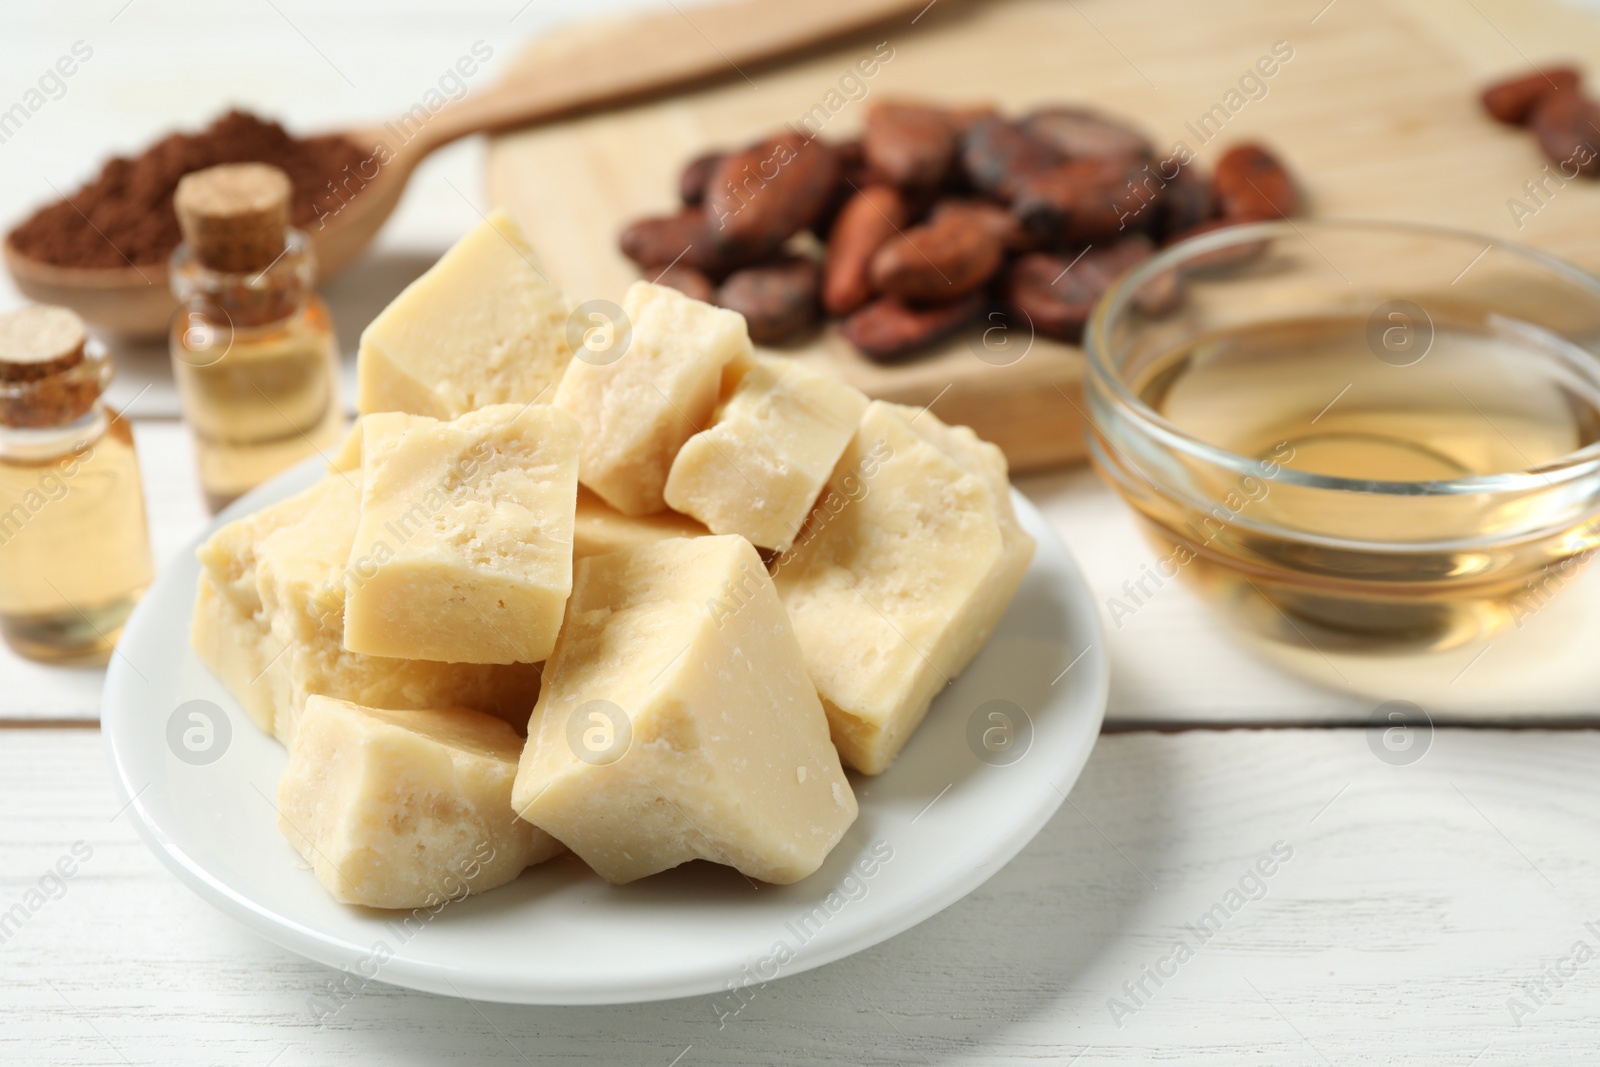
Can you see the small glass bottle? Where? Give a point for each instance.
(74, 545)
(253, 348)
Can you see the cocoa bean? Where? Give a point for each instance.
(778, 300)
(1225, 258)
(888, 329)
(759, 198)
(683, 239)
(854, 175)
(1567, 127)
(1252, 186)
(1086, 200)
(909, 144)
(695, 176)
(1057, 294)
(1512, 101)
(867, 220)
(938, 261)
(995, 154)
(1078, 133)
(1187, 201)
(993, 218)
(689, 282)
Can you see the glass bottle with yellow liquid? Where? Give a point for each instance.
(74, 544)
(253, 348)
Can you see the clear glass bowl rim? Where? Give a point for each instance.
(1115, 301)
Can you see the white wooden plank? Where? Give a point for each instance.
(1417, 901)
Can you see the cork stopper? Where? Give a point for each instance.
(39, 341)
(234, 217)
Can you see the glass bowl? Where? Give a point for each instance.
(1355, 439)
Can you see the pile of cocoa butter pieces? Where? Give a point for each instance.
(1563, 118)
(940, 216)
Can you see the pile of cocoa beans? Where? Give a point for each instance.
(1564, 120)
(939, 216)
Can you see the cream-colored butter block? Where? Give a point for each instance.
(677, 722)
(463, 552)
(232, 644)
(347, 456)
(269, 622)
(599, 528)
(483, 326)
(900, 575)
(638, 408)
(770, 449)
(405, 809)
(230, 555)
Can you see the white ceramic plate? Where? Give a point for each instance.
(933, 828)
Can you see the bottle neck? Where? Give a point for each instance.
(249, 299)
(41, 444)
(43, 418)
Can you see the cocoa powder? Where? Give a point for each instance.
(125, 214)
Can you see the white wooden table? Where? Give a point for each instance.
(1427, 913)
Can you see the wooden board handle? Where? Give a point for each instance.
(611, 61)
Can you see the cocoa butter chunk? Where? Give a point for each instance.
(483, 326)
(1253, 186)
(893, 595)
(486, 502)
(1056, 294)
(406, 809)
(759, 467)
(1567, 126)
(598, 528)
(909, 144)
(1512, 101)
(1078, 133)
(1086, 200)
(759, 198)
(778, 300)
(269, 622)
(889, 329)
(638, 402)
(940, 261)
(996, 154)
(695, 176)
(690, 282)
(678, 722)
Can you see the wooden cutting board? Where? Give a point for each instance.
(1376, 111)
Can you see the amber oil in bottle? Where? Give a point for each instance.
(74, 544)
(253, 348)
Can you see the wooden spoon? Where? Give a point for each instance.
(594, 65)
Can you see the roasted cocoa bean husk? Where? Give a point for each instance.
(759, 198)
(1253, 186)
(871, 217)
(938, 261)
(778, 300)
(1512, 101)
(910, 144)
(1567, 127)
(1078, 133)
(889, 330)
(996, 154)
